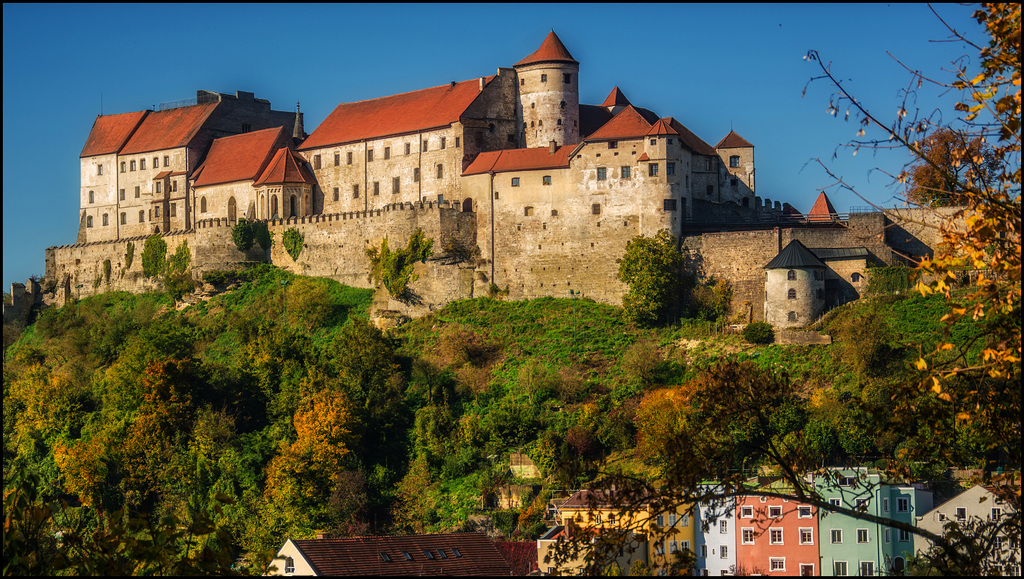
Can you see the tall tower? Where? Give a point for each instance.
(549, 95)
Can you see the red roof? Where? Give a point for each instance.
(615, 98)
(240, 157)
(110, 132)
(733, 141)
(168, 129)
(628, 123)
(286, 167)
(551, 50)
(662, 128)
(477, 555)
(409, 112)
(643, 157)
(520, 160)
(822, 210)
(690, 140)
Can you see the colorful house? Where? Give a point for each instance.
(980, 507)
(776, 536)
(715, 537)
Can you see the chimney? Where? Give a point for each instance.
(453, 85)
(481, 84)
(552, 147)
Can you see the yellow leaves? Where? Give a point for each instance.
(921, 364)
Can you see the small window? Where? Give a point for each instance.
(120, 194)
(554, 213)
(426, 145)
(561, 105)
(746, 512)
(669, 205)
(142, 164)
(355, 191)
(99, 169)
(456, 551)
(385, 557)
(806, 536)
(159, 187)
(131, 166)
(92, 197)
(442, 554)
(156, 162)
(124, 219)
(602, 173)
(566, 77)
(654, 141)
(862, 505)
(528, 211)
(142, 216)
(903, 505)
(396, 185)
(747, 536)
(840, 568)
(106, 220)
(961, 514)
(416, 175)
(804, 512)
(289, 565)
(407, 556)
(167, 161)
(428, 554)
(510, 138)
(652, 170)
(337, 194)
(316, 161)
(867, 568)
(156, 211)
(387, 153)
(456, 142)
(495, 194)
(862, 536)
(348, 157)
(440, 171)
(668, 141)
(546, 179)
(202, 205)
(337, 158)
(856, 277)
(595, 209)
(408, 148)
(723, 527)
(775, 536)
(174, 207)
(122, 166)
(369, 155)
(376, 187)
(723, 552)
(819, 275)
(734, 161)
(903, 536)
(673, 519)
(88, 221)
(625, 172)
(444, 142)
(792, 317)
(670, 168)
(515, 182)
(543, 78)
(613, 144)
(791, 275)
(791, 294)
(777, 563)
(835, 502)
(775, 512)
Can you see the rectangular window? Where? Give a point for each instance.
(835, 502)
(543, 78)
(652, 170)
(396, 184)
(602, 173)
(546, 179)
(777, 563)
(159, 187)
(885, 502)
(669, 205)
(376, 187)
(416, 175)
(122, 166)
(348, 157)
(440, 171)
(840, 568)
(747, 536)
(903, 536)
(408, 148)
(425, 146)
(806, 569)
(888, 532)
(961, 514)
(672, 520)
(167, 160)
(316, 161)
(775, 536)
(142, 216)
(867, 568)
(138, 191)
(515, 181)
(456, 142)
(673, 547)
(444, 142)
(174, 186)
(902, 505)
(659, 548)
(862, 505)
(566, 77)
(156, 162)
(625, 174)
(131, 167)
(746, 512)
(156, 211)
(121, 194)
(142, 165)
(670, 168)
(355, 191)
(708, 166)
(613, 144)
(124, 219)
(775, 512)
(862, 536)
(337, 159)
(703, 550)
(837, 536)
(337, 194)
(804, 512)
(723, 527)
(387, 153)
(369, 155)
(734, 161)
(723, 552)
(660, 520)
(654, 141)
(806, 536)
(174, 207)
(99, 169)
(595, 209)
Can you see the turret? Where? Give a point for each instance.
(549, 94)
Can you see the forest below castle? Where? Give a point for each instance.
(275, 410)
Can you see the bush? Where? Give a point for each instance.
(129, 255)
(243, 235)
(154, 255)
(394, 268)
(263, 235)
(759, 333)
(294, 241)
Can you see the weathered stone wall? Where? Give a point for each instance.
(793, 302)
(914, 232)
(550, 106)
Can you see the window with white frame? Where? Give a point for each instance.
(888, 532)
(835, 502)
(903, 536)
(806, 536)
(673, 547)
(684, 545)
(723, 552)
(775, 512)
(289, 565)
(660, 520)
(777, 563)
(836, 536)
(997, 513)
(839, 568)
(885, 505)
(867, 568)
(902, 505)
(806, 569)
(723, 527)
(684, 521)
(862, 536)
(703, 550)
(747, 536)
(746, 512)
(659, 548)
(862, 505)
(804, 512)
(672, 519)
(775, 536)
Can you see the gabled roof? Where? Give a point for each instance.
(822, 210)
(286, 167)
(592, 118)
(520, 160)
(690, 140)
(240, 157)
(733, 141)
(615, 98)
(110, 132)
(795, 255)
(661, 127)
(168, 129)
(362, 555)
(551, 50)
(604, 499)
(628, 123)
(409, 112)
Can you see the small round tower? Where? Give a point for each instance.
(549, 95)
(794, 287)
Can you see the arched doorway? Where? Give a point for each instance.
(898, 566)
(231, 209)
(467, 205)
(293, 206)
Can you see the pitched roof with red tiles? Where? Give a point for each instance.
(662, 127)
(551, 50)
(628, 123)
(462, 554)
(240, 157)
(690, 140)
(110, 132)
(615, 98)
(409, 112)
(823, 209)
(286, 167)
(520, 160)
(733, 141)
(168, 129)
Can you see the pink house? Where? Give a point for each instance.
(776, 536)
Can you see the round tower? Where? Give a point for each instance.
(794, 287)
(549, 95)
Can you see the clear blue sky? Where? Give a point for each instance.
(712, 67)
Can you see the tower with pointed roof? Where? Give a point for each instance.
(794, 287)
(738, 159)
(549, 96)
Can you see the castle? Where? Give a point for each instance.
(549, 191)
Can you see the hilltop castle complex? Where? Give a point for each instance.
(549, 191)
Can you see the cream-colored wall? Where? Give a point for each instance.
(302, 567)
(104, 189)
(218, 196)
(541, 103)
(744, 174)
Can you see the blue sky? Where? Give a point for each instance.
(712, 67)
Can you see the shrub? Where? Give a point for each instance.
(106, 270)
(294, 241)
(889, 279)
(154, 255)
(759, 333)
(181, 259)
(129, 255)
(652, 268)
(243, 235)
(394, 268)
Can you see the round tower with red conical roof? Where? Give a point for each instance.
(549, 95)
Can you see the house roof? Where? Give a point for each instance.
(520, 160)
(733, 141)
(661, 127)
(822, 210)
(409, 112)
(110, 132)
(477, 555)
(690, 140)
(240, 157)
(835, 253)
(551, 50)
(168, 129)
(604, 499)
(795, 255)
(286, 167)
(627, 123)
(592, 118)
(615, 98)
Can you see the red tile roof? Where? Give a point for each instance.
(362, 555)
(240, 157)
(520, 160)
(551, 50)
(822, 210)
(168, 129)
(628, 123)
(110, 132)
(733, 141)
(286, 167)
(690, 140)
(661, 128)
(643, 157)
(615, 98)
(409, 112)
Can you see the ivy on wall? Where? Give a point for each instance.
(294, 241)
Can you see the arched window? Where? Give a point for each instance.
(791, 275)
(124, 219)
(898, 566)
(273, 207)
(293, 205)
(142, 216)
(202, 205)
(791, 294)
(92, 197)
(467, 205)
(106, 220)
(231, 209)
(792, 316)
(88, 221)
(855, 277)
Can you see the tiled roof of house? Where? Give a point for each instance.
(168, 129)
(286, 167)
(794, 255)
(733, 141)
(551, 50)
(409, 112)
(240, 157)
(603, 499)
(461, 554)
(520, 160)
(822, 210)
(615, 98)
(661, 127)
(835, 253)
(690, 140)
(628, 123)
(110, 132)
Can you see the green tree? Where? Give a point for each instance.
(394, 269)
(154, 256)
(243, 235)
(293, 241)
(652, 267)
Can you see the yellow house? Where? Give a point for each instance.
(644, 531)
